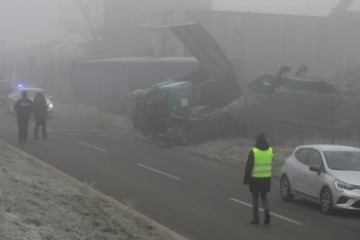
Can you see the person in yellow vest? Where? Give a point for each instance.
(258, 176)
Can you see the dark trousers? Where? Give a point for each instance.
(40, 123)
(23, 123)
(264, 201)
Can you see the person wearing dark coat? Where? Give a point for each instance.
(258, 176)
(40, 114)
(23, 108)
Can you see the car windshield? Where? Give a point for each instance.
(31, 93)
(343, 160)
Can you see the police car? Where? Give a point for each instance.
(16, 94)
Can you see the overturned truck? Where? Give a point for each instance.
(214, 102)
(171, 109)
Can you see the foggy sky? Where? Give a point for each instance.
(27, 22)
(303, 7)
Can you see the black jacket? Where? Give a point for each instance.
(23, 107)
(40, 108)
(256, 184)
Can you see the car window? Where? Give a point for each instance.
(302, 155)
(343, 160)
(315, 158)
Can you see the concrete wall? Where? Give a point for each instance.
(268, 41)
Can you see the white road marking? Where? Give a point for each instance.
(91, 146)
(271, 213)
(160, 172)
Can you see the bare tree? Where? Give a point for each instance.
(85, 21)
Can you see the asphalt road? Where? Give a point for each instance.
(194, 197)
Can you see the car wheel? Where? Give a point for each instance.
(326, 201)
(285, 192)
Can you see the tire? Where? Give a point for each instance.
(285, 190)
(326, 201)
(174, 135)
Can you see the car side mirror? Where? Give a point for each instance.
(315, 168)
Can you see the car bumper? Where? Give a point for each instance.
(347, 199)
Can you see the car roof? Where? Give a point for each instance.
(330, 147)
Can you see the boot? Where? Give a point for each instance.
(267, 217)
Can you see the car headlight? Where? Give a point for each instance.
(343, 186)
(51, 106)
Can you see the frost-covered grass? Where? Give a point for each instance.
(235, 152)
(37, 203)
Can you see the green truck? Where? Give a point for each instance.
(167, 110)
(170, 109)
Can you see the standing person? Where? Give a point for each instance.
(258, 176)
(40, 114)
(23, 108)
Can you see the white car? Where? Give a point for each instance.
(16, 94)
(326, 174)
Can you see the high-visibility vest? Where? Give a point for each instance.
(262, 163)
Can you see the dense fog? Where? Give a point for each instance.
(100, 52)
(18, 18)
(157, 103)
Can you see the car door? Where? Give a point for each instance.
(297, 168)
(313, 181)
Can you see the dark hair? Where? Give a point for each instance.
(39, 94)
(261, 142)
(39, 97)
(260, 137)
